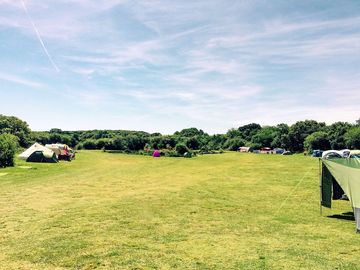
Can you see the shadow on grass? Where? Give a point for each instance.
(344, 216)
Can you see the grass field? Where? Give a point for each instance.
(228, 211)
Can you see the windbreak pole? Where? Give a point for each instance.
(320, 184)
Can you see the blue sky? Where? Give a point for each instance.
(159, 65)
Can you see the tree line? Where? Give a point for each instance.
(302, 136)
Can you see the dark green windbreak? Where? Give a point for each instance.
(326, 187)
(346, 171)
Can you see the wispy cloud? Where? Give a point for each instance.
(19, 80)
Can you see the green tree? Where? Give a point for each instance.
(190, 132)
(336, 133)
(216, 142)
(234, 144)
(352, 138)
(55, 130)
(282, 137)
(299, 131)
(265, 136)
(249, 130)
(89, 144)
(193, 143)
(156, 142)
(135, 142)
(233, 133)
(119, 143)
(17, 127)
(42, 137)
(317, 140)
(8, 145)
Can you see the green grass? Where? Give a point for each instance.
(229, 211)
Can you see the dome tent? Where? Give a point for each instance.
(38, 153)
(156, 153)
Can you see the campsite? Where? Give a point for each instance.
(161, 135)
(118, 199)
(227, 211)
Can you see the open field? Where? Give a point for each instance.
(229, 211)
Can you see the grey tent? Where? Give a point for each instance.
(38, 153)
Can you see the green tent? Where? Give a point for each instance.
(341, 176)
(39, 156)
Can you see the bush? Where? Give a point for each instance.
(8, 145)
(181, 149)
(89, 144)
(79, 146)
(103, 143)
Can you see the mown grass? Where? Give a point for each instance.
(228, 211)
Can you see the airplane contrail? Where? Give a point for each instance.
(39, 37)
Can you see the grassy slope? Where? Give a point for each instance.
(111, 211)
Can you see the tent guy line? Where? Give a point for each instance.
(292, 192)
(39, 37)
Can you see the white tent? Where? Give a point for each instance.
(36, 147)
(54, 147)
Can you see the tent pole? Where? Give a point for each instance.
(320, 171)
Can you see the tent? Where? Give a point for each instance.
(244, 149)
(339, 177)
(317, 153)
(278, 151)
(355, 154)
(38, 153)
(336, 153)
(188, 155)
(62, 151)
(156, 153)
(55, 148)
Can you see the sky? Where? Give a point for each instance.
(165, 65)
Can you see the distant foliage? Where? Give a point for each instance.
(252, 135)
(303, 135)
(8, 145)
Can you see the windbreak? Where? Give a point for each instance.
(346, 172)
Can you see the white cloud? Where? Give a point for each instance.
(19, 80)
